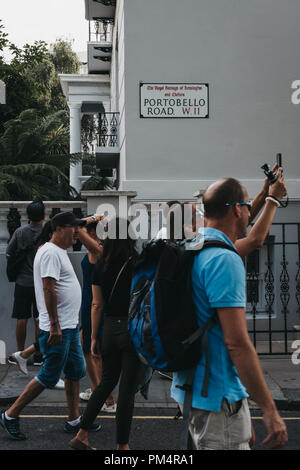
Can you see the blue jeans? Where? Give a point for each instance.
(67, 357)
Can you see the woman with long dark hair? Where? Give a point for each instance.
(89, 238)
(111, 295)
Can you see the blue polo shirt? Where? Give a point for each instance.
(218, 280)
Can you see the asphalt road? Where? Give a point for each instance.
(152, 429)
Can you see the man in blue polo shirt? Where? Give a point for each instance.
(221, 421)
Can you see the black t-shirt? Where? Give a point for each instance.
(119, 304)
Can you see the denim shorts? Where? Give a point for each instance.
(229, 429)
(67, 357)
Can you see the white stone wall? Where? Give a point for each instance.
(247, 52)
(118, 82)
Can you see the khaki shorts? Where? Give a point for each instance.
(229, 429)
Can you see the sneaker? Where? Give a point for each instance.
(86, 395)
(21, 362)
(70, 429)
(12, 427)
(60, 385)
(12, 360)
(109, 408)
(165, 375)
(37, 360)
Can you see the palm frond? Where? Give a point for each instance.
(13, 187)
(97, 183)
(52, 122)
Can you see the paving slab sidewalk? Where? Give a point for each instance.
(282, 377)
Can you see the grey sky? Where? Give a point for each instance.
(26, 21)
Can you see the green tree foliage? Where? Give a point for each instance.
(31, 78)
(3, 39)
(34, 123)
(63, 58)
(97, 183)
(34, 158)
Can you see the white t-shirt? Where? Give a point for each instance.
(52, 261)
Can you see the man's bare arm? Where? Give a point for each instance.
(245, 359)
(259, 200)
(259, 231)
(49, 284)
(257, 235)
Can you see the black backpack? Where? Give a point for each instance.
(162, 319)
(16, 260)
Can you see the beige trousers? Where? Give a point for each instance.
(229, 429)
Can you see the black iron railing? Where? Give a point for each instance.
(100, 30)
(107, 3)
(108, 125)
(273, 290)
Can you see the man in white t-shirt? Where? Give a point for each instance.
(58, 297)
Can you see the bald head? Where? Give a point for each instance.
(218, 194)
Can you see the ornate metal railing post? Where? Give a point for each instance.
(298, 274)
(284, 287)
(108, 129)
(269, 289)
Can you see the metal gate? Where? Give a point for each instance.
(273, 290)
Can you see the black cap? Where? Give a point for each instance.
(66, 218)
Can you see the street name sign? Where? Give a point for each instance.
(174, 100)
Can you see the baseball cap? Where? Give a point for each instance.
(66, 218)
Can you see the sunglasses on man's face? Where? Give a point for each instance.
(243, 203)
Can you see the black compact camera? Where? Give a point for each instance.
(267, 169)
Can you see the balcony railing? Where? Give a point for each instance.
(107, 3)
(13, 214)
(100, 30)
(108, 130)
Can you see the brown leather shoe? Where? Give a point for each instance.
(76, 444)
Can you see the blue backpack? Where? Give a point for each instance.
(162, 319)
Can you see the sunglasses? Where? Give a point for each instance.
(244, 203)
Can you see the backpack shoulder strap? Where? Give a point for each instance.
(118, 277)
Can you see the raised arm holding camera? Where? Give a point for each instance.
(269, 199)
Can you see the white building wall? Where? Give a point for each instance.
(247, 52)
(119, 45)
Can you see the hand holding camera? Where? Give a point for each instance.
(278, 189)
(272, 174)
(275, 183)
